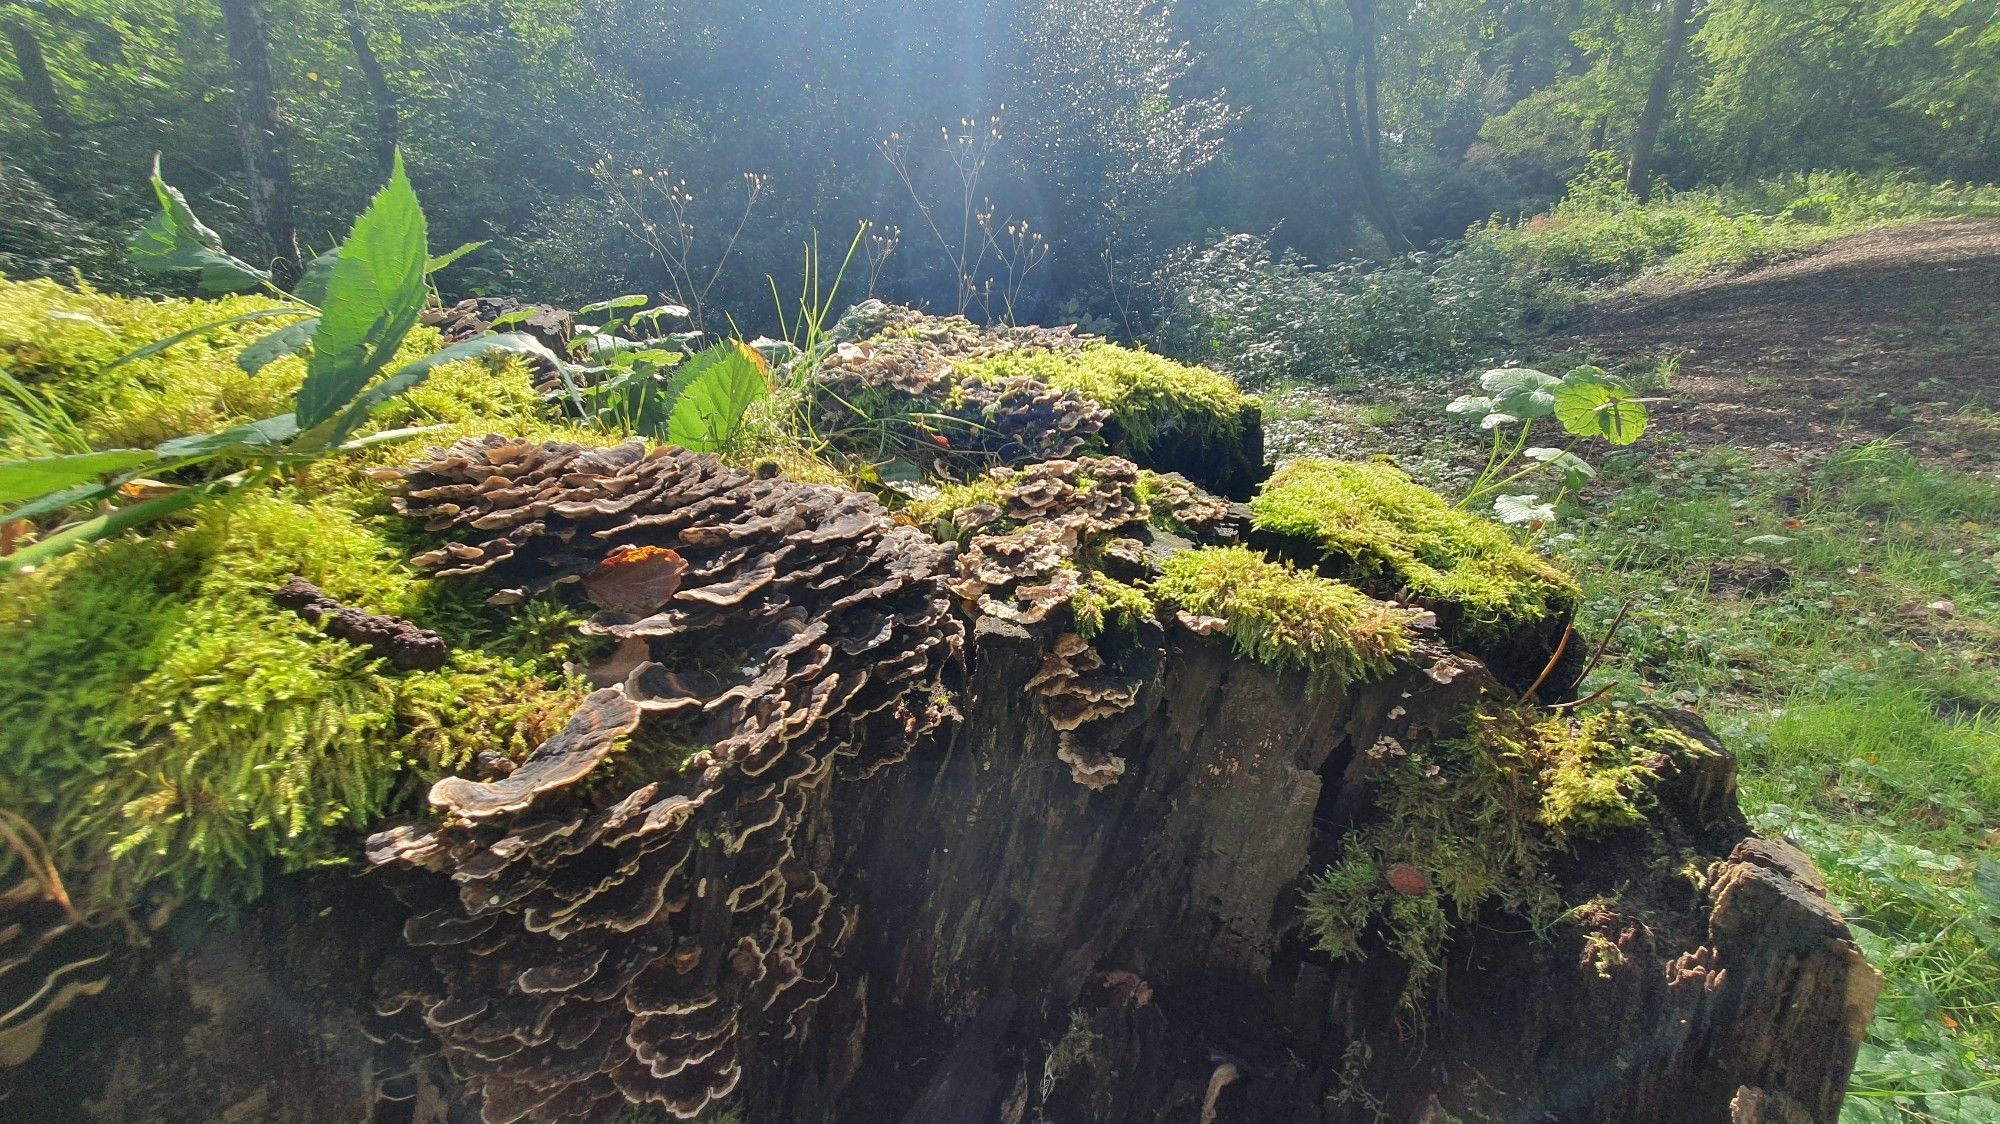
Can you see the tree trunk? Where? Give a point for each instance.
(1353, 79)
(1638, 175)
(387, 124)
(261, 131)
(37, 88)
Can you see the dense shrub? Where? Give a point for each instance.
(1264, 318)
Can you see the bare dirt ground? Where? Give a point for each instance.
(1895, 333)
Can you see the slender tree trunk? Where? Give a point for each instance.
(387, 123)
(1638, 174)
(262, 133)
(1353, 78)
(37, 88)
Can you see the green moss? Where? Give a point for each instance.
(1384, 527)
(1151, 398)
(1105, 602)
(933, 512)
(1285, 617)
(1479, 817)
(168, 725)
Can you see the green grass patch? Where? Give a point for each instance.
(1841, 628)
(1600, 234)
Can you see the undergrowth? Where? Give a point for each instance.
(1473, 822)
(1840, 627)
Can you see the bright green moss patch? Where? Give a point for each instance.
(1387, 528)
(1104, 603)
(167, 721)
(168, 725)
(1285, 617)
(1151, 398)
(1472, 822)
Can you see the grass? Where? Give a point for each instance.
(1841, 628)
(1599, 234)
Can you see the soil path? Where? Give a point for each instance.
(1891, 333)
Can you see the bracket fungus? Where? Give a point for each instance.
(594, 941)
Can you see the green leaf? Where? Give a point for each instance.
(629, 300)
(158, 346)
(175, 240)
(113, 522)
(1986, 879)
(312, 283)
(1470, 404)
(412, 374)
(373, 298)
(56, 501)
(443, 260)
(1589, 408)
(1519, 391)
(250, 435)
(1523, 510)
(708, 415)
(1576, 471)
(288, 340)
(38, 476)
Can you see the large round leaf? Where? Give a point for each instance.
(1521, 392)
(1589, 408)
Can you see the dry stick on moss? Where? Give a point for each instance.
(1603, 645)
(1569, 627)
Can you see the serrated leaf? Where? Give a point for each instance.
(38, 476)
(412, 374)
(1590, 408)
(1470, 404)
(373, 298)
(312, 282)
(446, 259)
(174, 239)
(1491, 421)
(708, 415)
(250, 435)
(1523, 510)
(158, 346)
(288, 340)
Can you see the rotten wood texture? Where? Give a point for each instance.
(1143, 944)
(1027, 949)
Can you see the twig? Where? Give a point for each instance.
(1624, 607)
(1569, 627)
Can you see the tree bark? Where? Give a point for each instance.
(387, 123)
(261, 132)
(1638, 174)
(37, 87)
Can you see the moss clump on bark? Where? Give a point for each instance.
(1152, 399)
(1285, 617)
(169, 724)
(1471, 823)
(1381, 527)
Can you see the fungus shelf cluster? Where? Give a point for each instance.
(587, 944)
